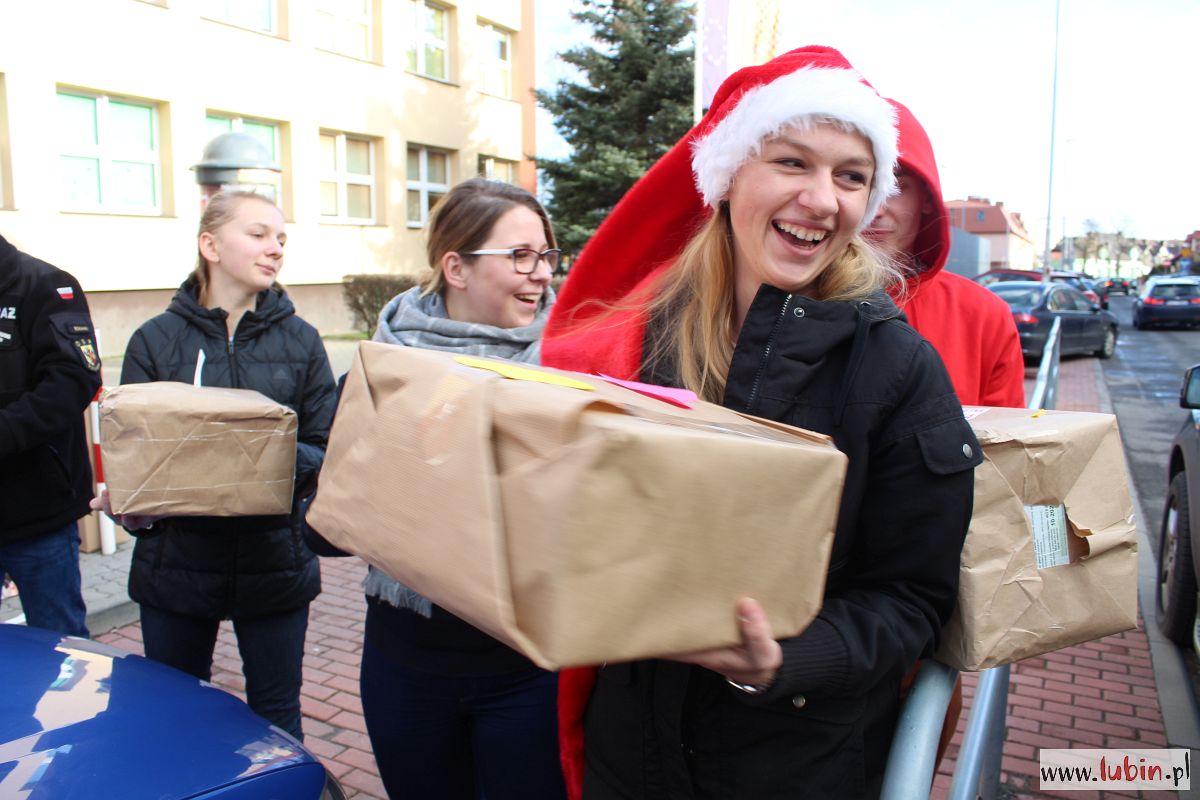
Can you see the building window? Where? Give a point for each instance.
(109, 154)
(495, 59)
(255, 15)
(262, 130)
(5, 163)
(428, 182)
(429, 45)
(497, 169)
(346, 27)
(347, 178)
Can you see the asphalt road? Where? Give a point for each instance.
(1143, 380)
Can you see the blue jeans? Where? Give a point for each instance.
(272, 650)
(46, 571)
(440, 737)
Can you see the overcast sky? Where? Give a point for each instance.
(979, 77)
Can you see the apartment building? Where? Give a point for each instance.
(373, 109)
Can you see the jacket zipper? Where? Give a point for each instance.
(762, 364)
(233, 370)
(231, 574)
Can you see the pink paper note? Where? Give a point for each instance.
(684, 398)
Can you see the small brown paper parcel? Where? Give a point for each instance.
(1050, 559)
(576, 520)
(171, 449)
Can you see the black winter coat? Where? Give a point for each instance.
(234, 567)
(855, 371)
(49, 372)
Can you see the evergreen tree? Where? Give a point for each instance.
(634, 104)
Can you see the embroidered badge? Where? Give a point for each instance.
(6, 338)
(66, 292)
(87, 352)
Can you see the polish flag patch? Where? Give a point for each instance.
(66, 293)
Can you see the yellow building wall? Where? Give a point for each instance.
(171, 54)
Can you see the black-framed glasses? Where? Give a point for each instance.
(524, 259)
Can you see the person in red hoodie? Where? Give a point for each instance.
(736, 268)
(971, 328)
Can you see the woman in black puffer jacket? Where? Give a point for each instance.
(232, 324)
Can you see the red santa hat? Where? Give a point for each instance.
(657, 216)
(801, 87)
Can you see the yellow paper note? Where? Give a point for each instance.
(517, 372)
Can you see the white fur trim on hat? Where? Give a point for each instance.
(767, 109)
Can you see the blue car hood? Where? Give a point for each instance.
(82, 719)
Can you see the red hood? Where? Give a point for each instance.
(932, 248)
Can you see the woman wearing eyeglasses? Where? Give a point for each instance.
(451, 712)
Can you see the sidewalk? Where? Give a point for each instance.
(1103, 694)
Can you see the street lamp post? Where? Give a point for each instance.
(236, 161)
(1053, 126)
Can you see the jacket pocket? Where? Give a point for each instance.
(950, 447)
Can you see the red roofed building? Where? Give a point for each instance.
(1011, 245)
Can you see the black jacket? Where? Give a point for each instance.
(49, 372)
(234, 566)
(857, 372)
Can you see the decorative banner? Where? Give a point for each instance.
(732, 36)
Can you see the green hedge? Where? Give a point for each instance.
(366, 295)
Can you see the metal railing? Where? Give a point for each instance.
(913, 756)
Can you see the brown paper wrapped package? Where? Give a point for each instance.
(170, 449)
(577, 526)
(1008, 608)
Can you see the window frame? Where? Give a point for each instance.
(342, 178)
(487, 165)
(237, 125)
(422, 184)
(415, 62)
(490, 32)
(369, 18)
(105, 154)
(209, 10)
(6, 201)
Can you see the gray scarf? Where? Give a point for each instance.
(417, 320)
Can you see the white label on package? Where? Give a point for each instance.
(1050, 534)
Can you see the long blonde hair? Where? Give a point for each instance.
(696, 295)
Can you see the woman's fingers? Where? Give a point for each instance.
(754, 661)
(131, 522)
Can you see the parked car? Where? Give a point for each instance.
(1116, 285)
(1085, 327)
(1167, 301)
(1076, 279)
(1178, 566)
(83, 719)
(1003, 275)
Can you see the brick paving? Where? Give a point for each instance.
(333, 723)
(1100, 695)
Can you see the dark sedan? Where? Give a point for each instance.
(1086, 328)
(1167, 301)
(1076, 279)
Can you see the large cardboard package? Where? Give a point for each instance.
(574, 519)
(1051, 556)
(171, 449)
